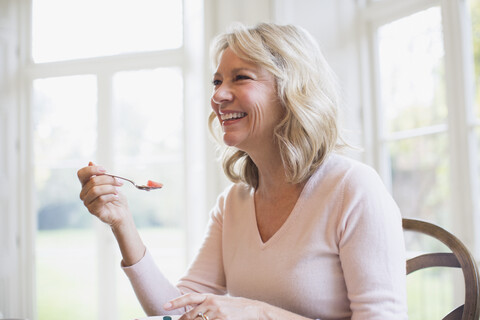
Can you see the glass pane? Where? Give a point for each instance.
(148, 106)
(64, 117)
(149, 116)
(412, 76)
(431, 292)
(420, 185)
(73, 29)
(420, 177)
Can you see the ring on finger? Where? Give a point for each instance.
(203, 316)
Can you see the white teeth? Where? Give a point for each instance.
(233, 115)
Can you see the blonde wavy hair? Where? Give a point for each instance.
(307, 90)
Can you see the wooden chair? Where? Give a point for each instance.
(460, 257)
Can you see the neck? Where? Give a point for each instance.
(271, 174)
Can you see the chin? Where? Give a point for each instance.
(230, 141)
(238, 139)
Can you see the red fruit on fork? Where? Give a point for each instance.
(154, 184)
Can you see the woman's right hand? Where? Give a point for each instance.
(101, 196)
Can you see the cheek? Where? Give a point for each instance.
(264, 107)
(258, 119)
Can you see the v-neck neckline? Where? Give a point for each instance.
(286, 224)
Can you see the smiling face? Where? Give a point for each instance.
(245, 102)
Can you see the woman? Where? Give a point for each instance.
(303, 233)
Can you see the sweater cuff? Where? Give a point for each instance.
(140, 267)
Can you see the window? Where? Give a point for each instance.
(425, 127)
(110, 83)
(412, 85)
(415, 136)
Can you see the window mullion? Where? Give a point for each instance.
(195, 124)
(131, 61)
(417, 132)
(106, 247)
(379, 146)
(459, 100)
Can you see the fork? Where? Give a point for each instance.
(141, 187)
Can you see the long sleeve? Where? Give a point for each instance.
(206, 273)
(151, 286)
(371, 249)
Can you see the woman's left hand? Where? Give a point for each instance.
(215, 307)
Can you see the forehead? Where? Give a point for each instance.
(230, 62)
(230, 58)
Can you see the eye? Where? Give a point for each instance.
(216, 82)
(242, 77)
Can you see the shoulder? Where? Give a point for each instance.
(355, 186)
(235, 192)
(233, 196)
(347, 172)
(363, 193)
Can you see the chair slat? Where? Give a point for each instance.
(440, 259)
(455, 314)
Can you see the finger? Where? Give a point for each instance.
(195, 314)
(98, 191)
(98, 181)
(96, 206)
(85, 173)
(185, 300)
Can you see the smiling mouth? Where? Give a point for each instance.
(233, 116)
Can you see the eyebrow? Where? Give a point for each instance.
(237, 70)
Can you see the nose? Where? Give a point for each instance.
(221, 95)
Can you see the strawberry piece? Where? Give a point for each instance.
(154, 184)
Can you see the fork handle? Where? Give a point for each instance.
(114, 176)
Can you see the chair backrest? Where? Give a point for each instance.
(460, 257)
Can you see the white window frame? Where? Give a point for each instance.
(192, 61)
(204, 179)
(459, 94)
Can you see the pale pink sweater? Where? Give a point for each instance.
(339, 255)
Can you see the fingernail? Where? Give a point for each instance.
(167, 305)
(102, 169)
(118, 182)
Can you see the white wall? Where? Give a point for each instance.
(219, 15)
(334, 24)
